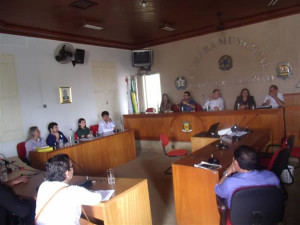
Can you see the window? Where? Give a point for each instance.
(152, 91)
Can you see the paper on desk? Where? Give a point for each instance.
(106, 194)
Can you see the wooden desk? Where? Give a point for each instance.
(95, 156)
(129, 205)
(150, 126)
(195, 199)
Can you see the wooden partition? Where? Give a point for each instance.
(292, 116)
(150, 126)
(130, 203)
(195, 199)
(94, 156)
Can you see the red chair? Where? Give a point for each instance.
(175, 108)
(198, 108)
(21, 150)
(173, 153)
(94, 128)
(266, 157)
(151, 110)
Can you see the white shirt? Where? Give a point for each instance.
(211, 104)
(106, 127)
(273, 103)
(65, 207)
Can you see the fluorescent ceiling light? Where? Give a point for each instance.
(94, 27)
(167, 28)
(272, 3)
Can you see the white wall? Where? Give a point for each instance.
(39, 76)
(264, 45)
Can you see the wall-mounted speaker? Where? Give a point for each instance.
(79, 56)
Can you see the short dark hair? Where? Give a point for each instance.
(57, 166)
(214, 91)
(51, 125)
(246, 157)
(274, 86)
(104, 113)
(79, 121)
(187, 92)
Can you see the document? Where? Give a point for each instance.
(208, 166)
(106, 194)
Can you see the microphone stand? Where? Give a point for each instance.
(88, 183)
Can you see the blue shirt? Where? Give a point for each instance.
(51, 139)
(186, 108)
(238, 180)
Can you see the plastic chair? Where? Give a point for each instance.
(94, 128)
(173, 153)
(152, 110)
(21, 150)
(175, 108)
(253, 205)
(198, 108)
(265, 157)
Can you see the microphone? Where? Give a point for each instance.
(88, 183)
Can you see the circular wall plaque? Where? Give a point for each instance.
(225, 62)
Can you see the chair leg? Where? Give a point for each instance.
(168, 171)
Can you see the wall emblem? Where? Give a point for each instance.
(186, 127)
(225, 62)
(284, 70)
(180, 83)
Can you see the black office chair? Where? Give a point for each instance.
(256, 205)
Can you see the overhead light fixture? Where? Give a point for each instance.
(91, 26)
(272, 3)
(167, 27)
(143, 3)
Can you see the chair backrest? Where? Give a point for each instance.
(256, 205)
(21, 150)
(290, 141)
(164, 140)
(198, 108)
(150, 110)
(94, 128)
(175, 108)
(280, 161)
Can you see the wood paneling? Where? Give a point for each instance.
(95, 156)
(200, 142)
(150, 126)
(129, 25)
(292, 116)
(195, 199)
(129, 205)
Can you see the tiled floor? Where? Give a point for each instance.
(151, 164)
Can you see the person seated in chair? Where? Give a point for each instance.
(242, 173)
(274, 98)
(187, 104)
(34, 140)
(83, 131)
(215, 102)
(55, 135)
(65, 201)
(12, 206)
(106, 125)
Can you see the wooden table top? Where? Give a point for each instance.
(252, 139)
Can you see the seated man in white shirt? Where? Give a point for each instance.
(214, 102)
(57, 201)
(106, 125)
(274, 98)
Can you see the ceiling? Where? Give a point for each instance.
(129, 25)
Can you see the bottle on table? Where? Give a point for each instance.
(61, 141)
